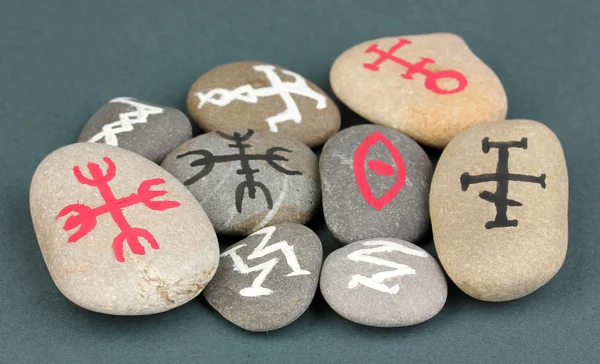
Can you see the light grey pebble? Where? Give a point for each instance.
(247, 179)
(147, 129)
(269, 279)
(375, 182)
(383, 283)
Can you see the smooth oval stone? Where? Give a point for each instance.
(269, 279)
(375, 183)
(498, 206)
(119, 234)
(247, 179)
(146, 129)
(430, 87)
(383, 283)
(262, 96)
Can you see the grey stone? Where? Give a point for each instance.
(119, 234)
(360, 203)
(147, 129)
(383, 283)
(275, 181)
(269, 279)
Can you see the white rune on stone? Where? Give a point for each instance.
(256, 289)
(247, 93)
(376, 281)
(126, 120)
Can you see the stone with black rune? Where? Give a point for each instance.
(119, 234)
(147, 129)
(384, 283)
(269, 279)
(262, 96)
(375, 183)
(247, 179)
(498, 206)
(430, 87)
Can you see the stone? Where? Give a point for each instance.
(119, 234)
(498, 202)
(375, 183)
(430, 87)
(267, 280)
(383, 283)
(146, 129)
(247, 179)
(262, 96)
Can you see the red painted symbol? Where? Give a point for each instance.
(379, 167)
(85, 217)
(431, 78)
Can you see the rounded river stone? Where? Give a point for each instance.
(269, 279)
(375, 183)
(383, 283)
(247, 179)
(119, 234)
(430, 87)
(263, 96)
(147, 129)
(498, 204)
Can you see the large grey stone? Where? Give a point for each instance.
(247, 179)
(147, 129)
(267, 280)
(119, 234)
(375, 183)
(383, 283)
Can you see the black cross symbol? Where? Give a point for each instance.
(502, 177)
(209, 160)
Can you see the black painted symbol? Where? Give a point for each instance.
(502, 177)
(209, 160)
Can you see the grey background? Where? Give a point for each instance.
(61, 60)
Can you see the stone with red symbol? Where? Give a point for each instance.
(263, 96)
(375, 183)
(430, 87)
(119, 234)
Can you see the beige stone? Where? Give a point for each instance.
(90, 271)
(385, 97)
(262, 96)
(500, 263)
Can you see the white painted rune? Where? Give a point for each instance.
(249, 94)
(256, 289)
(376, 281)
(126, 121)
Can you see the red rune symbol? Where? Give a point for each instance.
(431, 77)
(379, 167)
(85, 217)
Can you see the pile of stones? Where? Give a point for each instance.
(127, 218)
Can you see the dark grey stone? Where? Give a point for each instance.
(277, 181)
(269, 279)
(383, 283)
(146, 129)
(348, 213)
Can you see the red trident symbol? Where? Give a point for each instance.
(431, 78)
(86, 217)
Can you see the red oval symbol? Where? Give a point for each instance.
(380, 168)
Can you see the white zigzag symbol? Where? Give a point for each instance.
(126, 120)
(256, 289)
(249, 94)
(376, 281)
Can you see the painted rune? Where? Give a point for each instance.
(208, 162)
(502, 177)
(285, 90)
(86, 217)
(431, 77)
(126, 121)
(256, 289)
